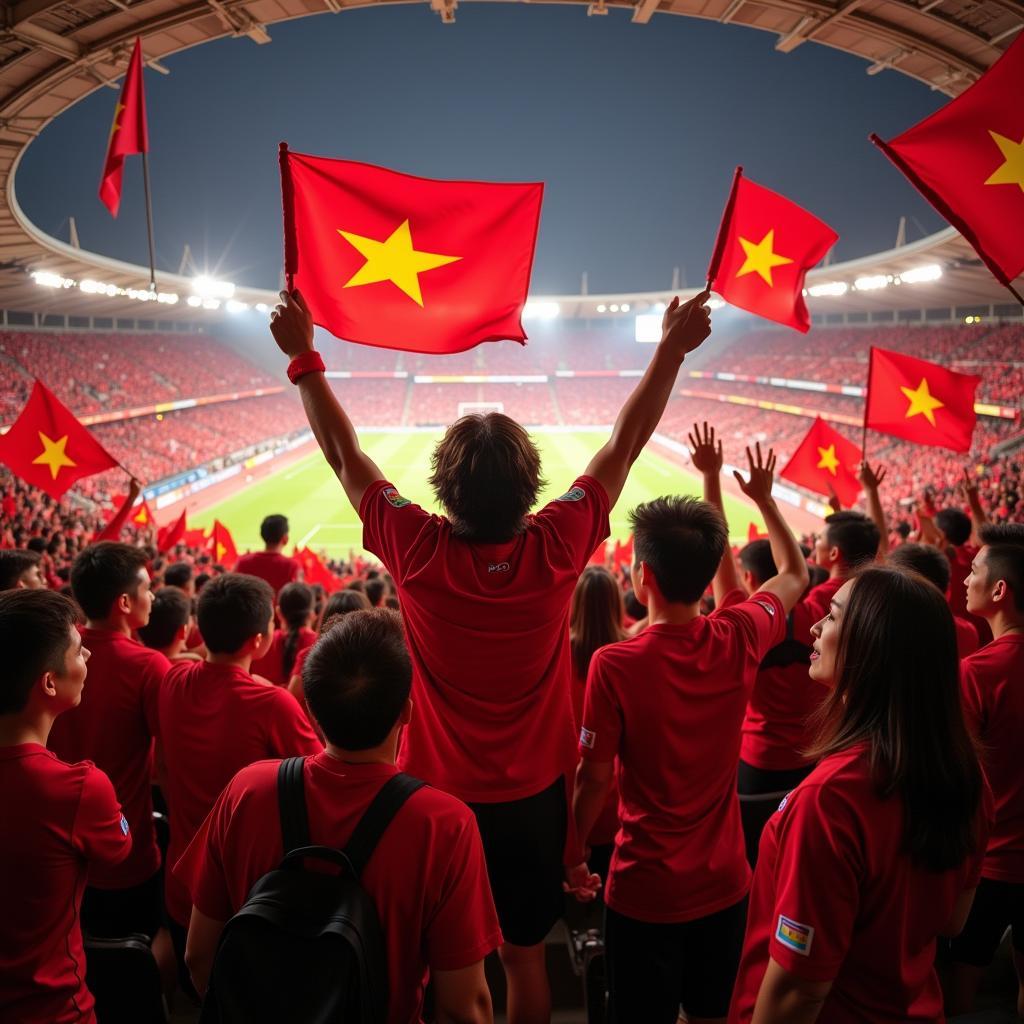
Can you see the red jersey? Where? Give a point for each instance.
(215, 720)
(836, 899)
(59, 821)
(966, 636)
(993, 690)
(114, 726)
(435, 907)
(668, 704)
(271, 665)
(272, 566)
(488, 631)
(607, 824)
(812, 607)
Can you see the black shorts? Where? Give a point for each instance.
(116, 913)
(653, 969)
(524, 841)
(751, 781)
(997, 906)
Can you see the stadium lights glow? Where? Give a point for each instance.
(714, 303)
(647, 330)
(614, 307)
(194, 301)
(234, 306)
(871, 283)
(211, 303)
(624, 307)
(262, 307)
(46, 279)
(835, 288)
(539, 309)
(602, 308)
(209, 288)
(930, 272)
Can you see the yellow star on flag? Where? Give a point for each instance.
(761, 257)
(115, 126)
(1012, 170)
(922, 403)
(393, 260)
(221, 550)
(53, 454)
(829, 460)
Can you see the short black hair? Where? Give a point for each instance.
(854, 534)
(375, 590)
(756, 558)
(178, 574)
(1005, 557)
(104, 571)
(231, 609)
(171, 611)
(925, 560)
(682, 541)
(357, 678)
(36, 544)
(955, 525)
(274, 529)
(14, 563)
(34, 632)
(341, 602)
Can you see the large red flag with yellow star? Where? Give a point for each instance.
(967, 160)
(48, 448)
(128, 134)
(222, 545)
(387, 259)
(766, 244)
(826, 461)
(920, 401)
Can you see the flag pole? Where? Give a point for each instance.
(723, 229)
(149, 220)
(1016, 294)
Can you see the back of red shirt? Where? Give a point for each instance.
(993, 691)
(58, 822)
(214, 721)
(435, 906)
(836, 899)
(488, 631)
(669, 703)
(272, 566)
(271, 665)
(114, 726)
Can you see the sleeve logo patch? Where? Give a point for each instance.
(782, 805)
(498, 567)
(124, 825)
(767, 606)
(393, 498)
(587, 739)
(794, 935)
(573, 494)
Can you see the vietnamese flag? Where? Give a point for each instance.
(765, 246)
(140, 515)
(128, 134)
(824, 460)
(174, 533)
(920, 401)
(624, 552)
(967, 160)
(222, 545)
(48, 448)
(314, 570)
(395, 261)
(195, 538)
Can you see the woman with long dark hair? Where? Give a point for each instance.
(878, 851)
(296, 610)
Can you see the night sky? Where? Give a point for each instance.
(635, 130)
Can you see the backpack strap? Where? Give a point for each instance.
(291, 801)
(385, 805)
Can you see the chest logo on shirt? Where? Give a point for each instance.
(392, 497)
(498, 567)
(124, 825)
(587, 739)
(794, 935)
(573, 494)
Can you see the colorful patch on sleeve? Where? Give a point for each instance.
(767, 606)
(573, 494)
(794, 935)
(124, 825)
(587, 739)
(392, 497)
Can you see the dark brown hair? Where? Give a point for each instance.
(486, 475)
(1004, 558)
(596, 616)
(14, 563)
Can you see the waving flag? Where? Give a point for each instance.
(222, 545)
(174, 533)
(826, 460)
(128, 134)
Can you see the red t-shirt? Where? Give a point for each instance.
(607, 824)
(812, 607)
(271, 665)
(58, 821)
(966, 636)
(434, 905)
(488, 631)
(272, 566)
(215, 720)
(993, 690)
(114, 726)
(668, 704)
(835, 899)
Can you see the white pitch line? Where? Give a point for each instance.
(309, 536)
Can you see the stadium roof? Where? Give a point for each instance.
(54, 52)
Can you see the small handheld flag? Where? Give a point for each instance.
(826, 460)
(222, 545)
(174, 533)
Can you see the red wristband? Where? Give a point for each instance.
(303, 363)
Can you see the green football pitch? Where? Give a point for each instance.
(320, 516)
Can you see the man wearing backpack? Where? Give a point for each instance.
(426, 876)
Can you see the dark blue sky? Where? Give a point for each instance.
(635, 130)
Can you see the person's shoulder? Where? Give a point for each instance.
(992, 660)
(255, 777)
(623, 653)
(180, 671)
(441, 811)
(139, 654)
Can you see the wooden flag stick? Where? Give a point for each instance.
(149, 220)
(1016, 294)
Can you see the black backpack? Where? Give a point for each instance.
(307, 946)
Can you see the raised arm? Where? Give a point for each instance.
(978, 516)
(707, 459)
(683, 328)
(112, 531)
(793, 576)
(871, 480)
(292, 328)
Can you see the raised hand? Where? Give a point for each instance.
(871, 479)
(762, 470)
(134, 490)
(684, 327)
(833, 500)
(291, 324)
(970, 484)
(707, 458)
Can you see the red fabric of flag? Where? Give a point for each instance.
(765, 246)
(314, 570)
(920, 401)
(826, 459)
(222, 545)
(128, 134)
(395, 261)
(140, 515)
(174, 533)
(48, 448)
(195, 538)
(967, 160)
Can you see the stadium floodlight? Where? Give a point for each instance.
(210, 288)
(541, 309)
(194, 301)
(46, 279)
(624, 307)
(234, 306)
(647, 329)
(715, 303)
(831, 288)
(602, 308)
(929, 272)
(614, 307)
(871, 283)
(211, 303)
(261, 307)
